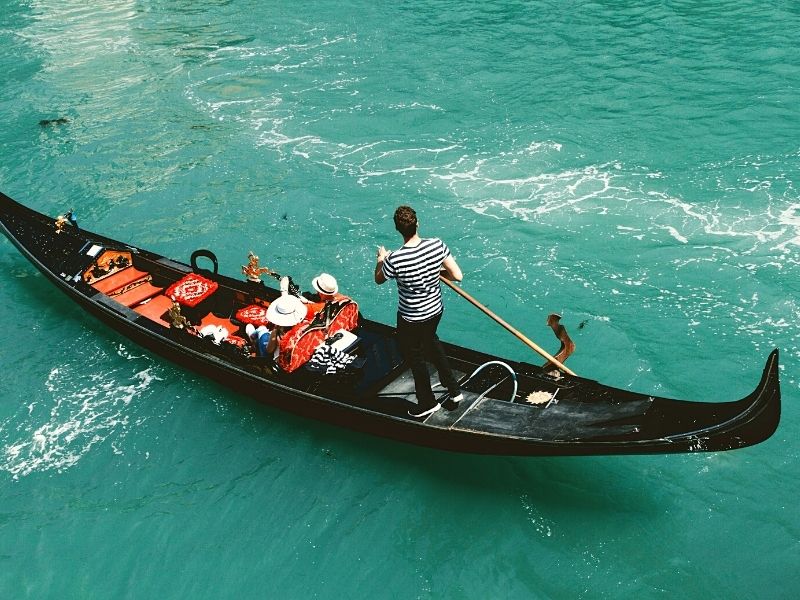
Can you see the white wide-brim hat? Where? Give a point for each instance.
(286, 311)
(325, 284)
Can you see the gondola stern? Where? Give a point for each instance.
(770, 387)
(762, 408)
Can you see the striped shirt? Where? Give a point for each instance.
(417, 273)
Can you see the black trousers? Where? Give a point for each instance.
(418, 341)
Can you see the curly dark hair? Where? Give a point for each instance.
(405, 221)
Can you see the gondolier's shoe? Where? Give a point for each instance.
(425, 413)
(455, 395)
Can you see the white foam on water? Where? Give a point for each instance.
(85, 408)
(790, 217)
(516, 182)
(415, 105)
(674, 233)
(478, 184)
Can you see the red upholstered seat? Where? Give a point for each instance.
(137, 294)
(255, 314)
(118, 279)
(297, 346)
(191, 289)
(155, 309)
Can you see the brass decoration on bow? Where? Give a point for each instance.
(252, 271)
(538, 397)
(63, 220)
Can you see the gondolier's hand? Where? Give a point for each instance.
(381, 256)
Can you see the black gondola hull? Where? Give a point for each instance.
(590, 419)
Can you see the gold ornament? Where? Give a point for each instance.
(61, 222)
(177, 320)
(252, 271)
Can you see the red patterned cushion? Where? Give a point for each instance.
(297, 346)
(255, 314)
(346, 319)
(191, 289)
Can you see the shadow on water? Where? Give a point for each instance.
(582, 483)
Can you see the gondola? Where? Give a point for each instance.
(374, 393)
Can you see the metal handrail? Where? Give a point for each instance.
(483, 395)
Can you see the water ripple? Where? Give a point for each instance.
(79, 408)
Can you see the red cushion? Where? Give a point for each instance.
(227, 324)
(297, 346)
(212, 319)
(191, 289)
(255, 314)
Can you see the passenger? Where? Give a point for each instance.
(259, 336)
(416, 267)
(327, 290)
(326, 286)
(283, 313)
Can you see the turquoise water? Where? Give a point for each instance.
(632, 165)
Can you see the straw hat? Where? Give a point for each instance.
(325, 284)
(286, 311)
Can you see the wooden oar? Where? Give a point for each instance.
(511, 329)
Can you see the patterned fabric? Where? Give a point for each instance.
(191, 289)
(345, 318)
(342, 313)
(118, 279)
(416, 270)
(299, 344)
(328, 360)
(255, 314)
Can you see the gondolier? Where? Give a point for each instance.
(416, 267)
